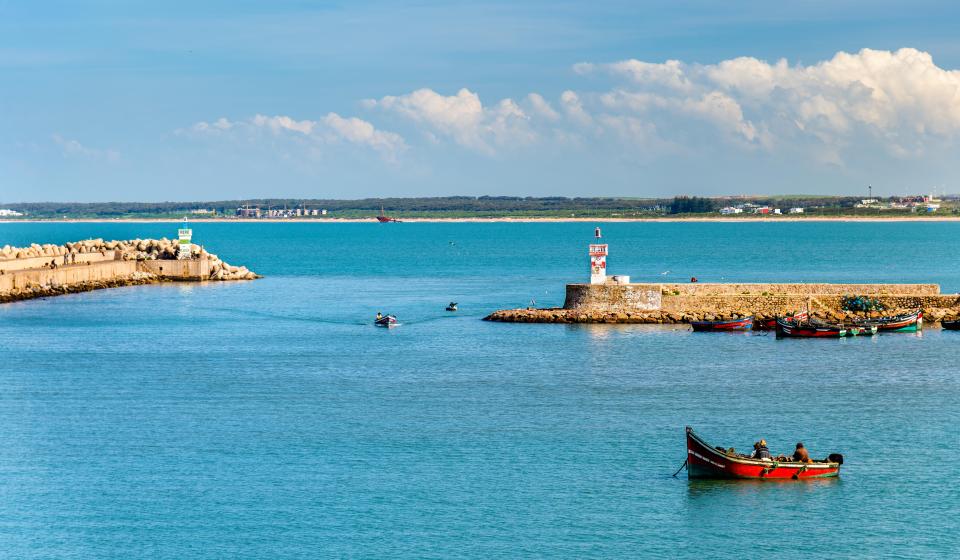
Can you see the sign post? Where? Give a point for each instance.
(598, 261)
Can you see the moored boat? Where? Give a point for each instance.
(386, 321)
(951, 325)
(797, 329)
(908, 322)
(744, 324)
(771, 324)
(706, 461)
(452, 306)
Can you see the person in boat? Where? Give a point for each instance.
(379, 315)
(800, 454)
(761, 451)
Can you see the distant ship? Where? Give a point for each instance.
(383, 218)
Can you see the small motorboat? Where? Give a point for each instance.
(908, 322)
(452, 306)
(951, 325)
(386, 321)
(771, 324)
(706, 461)
(744, 324)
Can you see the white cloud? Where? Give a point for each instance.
(541, 107)
(462, 117)
(75, 148)
(901, 99)
(330, 129)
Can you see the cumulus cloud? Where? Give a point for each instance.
(901, 99)
(462, 117)
(330, 129)
(75, 148)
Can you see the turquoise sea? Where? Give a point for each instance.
(270, 419)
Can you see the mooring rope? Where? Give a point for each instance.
(680, 469)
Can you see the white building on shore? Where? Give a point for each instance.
(7, 213)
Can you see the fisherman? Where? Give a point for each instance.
(379, 315)
(800, 455)
(761, 451)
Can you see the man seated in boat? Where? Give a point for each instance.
(800, 454)
(761, 451)
(379, 315)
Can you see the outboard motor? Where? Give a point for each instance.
(835, 458)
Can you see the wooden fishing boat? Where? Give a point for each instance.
(950, 325)
(797, 329)
(706, 461)
(771, 324)
(744, 324)
(908, 322)
(387, 321)
(815, 328)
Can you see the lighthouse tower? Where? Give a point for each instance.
(184, 247)
(598, 260)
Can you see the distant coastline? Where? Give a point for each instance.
(714, 219)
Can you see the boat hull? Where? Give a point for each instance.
(912, 322)
(791, 329)
(951, 325)
(706, 462)
(744, 324)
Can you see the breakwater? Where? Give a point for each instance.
(47, 270)
(686, 303)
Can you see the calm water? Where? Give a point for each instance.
(269, 419)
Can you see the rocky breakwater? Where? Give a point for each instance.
(46, 270)
(561, 315)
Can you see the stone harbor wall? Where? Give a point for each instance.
(685, 303)
(45, 270)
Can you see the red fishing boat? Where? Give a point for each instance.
(771, 324)
(706, 461)
(383, 218)
(744, 324)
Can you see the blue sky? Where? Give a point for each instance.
(120, 100)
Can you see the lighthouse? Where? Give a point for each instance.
(184, 248)
(598, 260)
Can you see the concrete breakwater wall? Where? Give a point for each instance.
(685, 303)
(45, 270)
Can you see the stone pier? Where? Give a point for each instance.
(47, 270)
(685, 303)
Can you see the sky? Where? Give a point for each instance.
(105, 100)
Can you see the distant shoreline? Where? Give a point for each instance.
(757, 220)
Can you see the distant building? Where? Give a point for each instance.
(731, 210)
(932, 207)
(796, 210)
(248, 212)
(762, 210)
(323, 212)
(777, 211)
(6, 212)
(201, 211)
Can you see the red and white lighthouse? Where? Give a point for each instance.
(598, 260)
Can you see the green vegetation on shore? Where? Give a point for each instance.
(501, 207)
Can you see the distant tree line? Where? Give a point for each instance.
(479, 205)
(692, 205)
